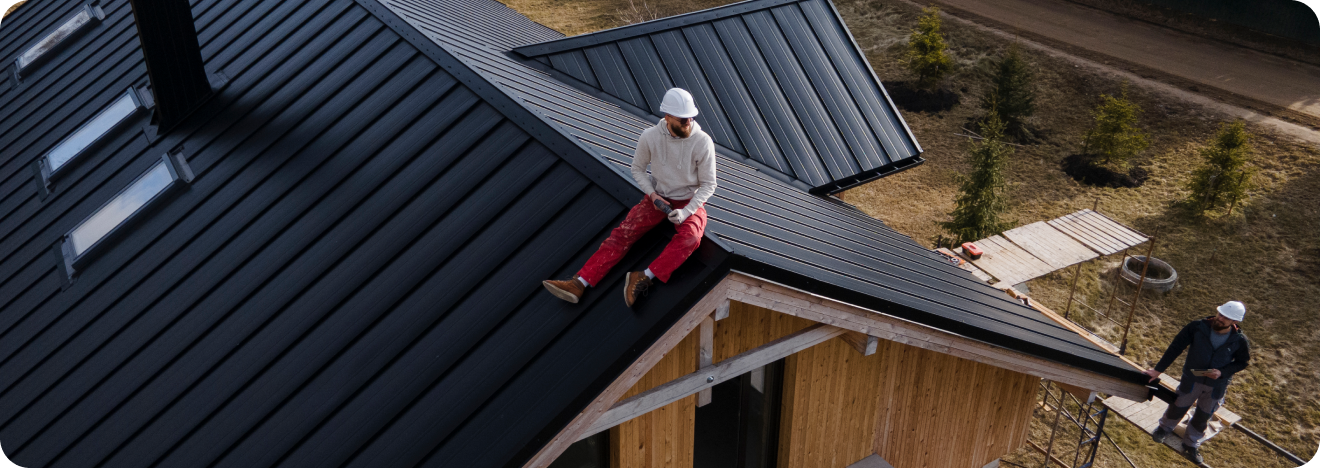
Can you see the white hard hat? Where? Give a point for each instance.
(678, 103)
(1233, 310)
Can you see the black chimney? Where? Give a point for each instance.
(174, 58)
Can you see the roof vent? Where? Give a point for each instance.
(179, 81)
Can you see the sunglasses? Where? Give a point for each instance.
(683, 120)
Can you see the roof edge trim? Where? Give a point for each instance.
(553, 139)
(649, 27)
(886, 170)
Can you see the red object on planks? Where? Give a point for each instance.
(972, 250)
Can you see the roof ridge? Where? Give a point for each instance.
(648, 27)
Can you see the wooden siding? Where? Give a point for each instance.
(749, 327)
(664, 437)
(908, 404)
(942, 411)
(830, 406)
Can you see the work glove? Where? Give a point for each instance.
(678, 216)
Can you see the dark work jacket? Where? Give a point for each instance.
(1229, 358)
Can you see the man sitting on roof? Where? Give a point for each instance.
(682, 160)
(1218, 350)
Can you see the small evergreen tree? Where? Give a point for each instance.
(1115, 137)
(980, 199)
(1224, 175)
(926, 57)
(1011, 92)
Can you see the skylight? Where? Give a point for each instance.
(90, 132)
(79, 21)
(168, 172)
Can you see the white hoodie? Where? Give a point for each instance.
(681, 168)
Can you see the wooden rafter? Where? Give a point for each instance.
(709, 377)
(863, 343)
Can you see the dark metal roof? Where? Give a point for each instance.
(779, 81)
(774, 229)
(352, 279)
(353, 276)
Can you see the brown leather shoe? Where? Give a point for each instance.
(569, 290)
(634, 286)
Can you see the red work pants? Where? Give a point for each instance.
(640, 220)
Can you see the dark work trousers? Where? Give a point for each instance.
(1205, 408)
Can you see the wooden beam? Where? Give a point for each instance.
(705, 352)
(767, 294)
(1081, 393)
(722, 312)
(865, 344)
(681, 387)
(597, 408)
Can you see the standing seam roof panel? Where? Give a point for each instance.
(805, 105)
(833, 93)
(644, 62)
(683, 69)
(615, 78)
(865, 90)
(770, 100)
(575, 64)
(743, 115)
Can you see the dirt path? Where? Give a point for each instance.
(1225, 72)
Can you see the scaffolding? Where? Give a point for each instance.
(1086, 427)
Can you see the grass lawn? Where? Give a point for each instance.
(1266, 254)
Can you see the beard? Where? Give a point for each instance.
(680, 131)
(1216, 327)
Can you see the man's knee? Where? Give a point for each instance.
(1176, 412)
(1199, 420)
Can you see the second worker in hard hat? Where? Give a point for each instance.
(1216, 349)
(682, 178)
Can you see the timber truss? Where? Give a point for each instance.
(860, 327)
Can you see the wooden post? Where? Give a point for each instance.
(705, 353)
(1058, 413)
(1118, 276)
(1122, 348)
(1076, 274)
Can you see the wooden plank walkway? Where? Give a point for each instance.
(1009, 263)
(1050, 245)
(1098, 232)
(1146, 415)
(1034, 250)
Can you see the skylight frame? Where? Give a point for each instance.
(26, 62)
(45, 166)
(75, 258)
